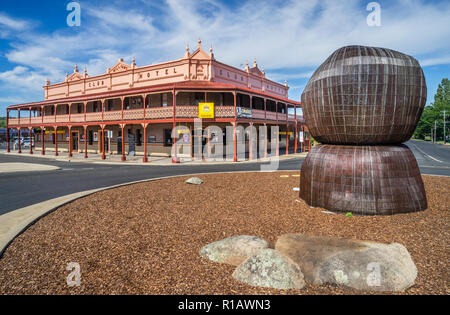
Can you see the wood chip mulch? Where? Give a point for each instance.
(145, 238)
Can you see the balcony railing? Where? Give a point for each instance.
(159, 112)
(112, 115)
(224, 111)
(133, 114)
(93, 116)
(150, 113)
(49, 119)
(258, 114)
(186, 111)
(282, 117)
(77, 118)
(13, 121)
(271, 116)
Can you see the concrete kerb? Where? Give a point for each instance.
(140, 163)
(26, 167)
(16, 222)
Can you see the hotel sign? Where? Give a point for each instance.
(206, 110)
(244, 112)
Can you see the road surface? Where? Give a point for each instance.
(23, 189)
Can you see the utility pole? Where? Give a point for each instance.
(444, 129)
(435, 122)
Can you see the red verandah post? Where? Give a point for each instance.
(103, 143)
(8, 149)
(70, 142)
(31, 141)
(85, 142)
(234, 129)
(18, 141)
(56, 141)
(174, 125)
(124, 158)
(42, 140)
(145, 159)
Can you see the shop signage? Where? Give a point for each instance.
(244, 112)
(206, 110)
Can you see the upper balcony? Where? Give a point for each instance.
(157, 107)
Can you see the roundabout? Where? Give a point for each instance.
(145, 238)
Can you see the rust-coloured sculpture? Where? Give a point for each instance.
(362, 103)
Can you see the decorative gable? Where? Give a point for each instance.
(120, 67)
(200, 54)
(255, 70)
(75, 75)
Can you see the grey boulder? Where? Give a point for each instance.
(361, 265)
(233, 250)
(194, 181)
(269, 268)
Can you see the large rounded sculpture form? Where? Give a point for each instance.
(362, 103)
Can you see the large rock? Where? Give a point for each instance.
(269, 268)
(361, 265)
(233, 250)
(194, 181)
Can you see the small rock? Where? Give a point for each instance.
(296, 189)
(233, 250)
(269, 268)
(361, 265)
(194, 181)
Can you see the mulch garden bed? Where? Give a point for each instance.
(146, 238)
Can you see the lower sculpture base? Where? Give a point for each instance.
(365, 180)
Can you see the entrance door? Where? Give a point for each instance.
(75, 139)
(106, 139)
(131, 144)
(167, 137)
(119, 143)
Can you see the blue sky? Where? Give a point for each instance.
(289, 38)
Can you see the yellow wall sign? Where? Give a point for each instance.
(61, 132)
(206, 110)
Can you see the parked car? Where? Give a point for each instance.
(16, 141)
(26, 143)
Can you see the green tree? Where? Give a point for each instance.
(435, 113)
(2, 122)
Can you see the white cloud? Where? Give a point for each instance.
(435, 61)
(12, 23)
(22, 77)
(288, 37)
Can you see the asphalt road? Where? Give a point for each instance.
(23, 189)
(433, 159)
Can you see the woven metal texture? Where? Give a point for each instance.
(365, 180)
(365, 95)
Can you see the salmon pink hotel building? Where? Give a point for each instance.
(133, 110)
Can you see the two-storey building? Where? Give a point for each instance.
(134, 109)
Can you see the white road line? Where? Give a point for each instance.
(427, 154)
